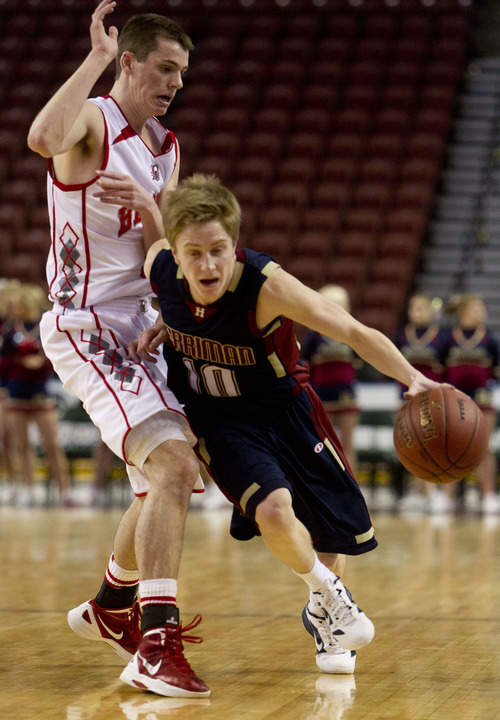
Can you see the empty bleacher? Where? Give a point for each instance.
(329, 120)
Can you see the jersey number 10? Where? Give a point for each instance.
(212, 380)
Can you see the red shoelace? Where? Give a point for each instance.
(175, 639)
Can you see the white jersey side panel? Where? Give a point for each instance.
(97, 253)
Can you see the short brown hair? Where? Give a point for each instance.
(140, 36)
(200, 199)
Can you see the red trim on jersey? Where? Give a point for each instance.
(68, 188)
(87, 248)
(106, 141)
(53, 243)
(168, 142)
(127, 132)
(134, 134)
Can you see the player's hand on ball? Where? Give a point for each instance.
(440, 435)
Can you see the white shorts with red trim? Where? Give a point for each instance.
(88, 349)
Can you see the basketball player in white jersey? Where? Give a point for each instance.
(109, 163)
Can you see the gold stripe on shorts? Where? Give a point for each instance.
(203, 451)
(335, 454)
(247, 495)
(365, 536)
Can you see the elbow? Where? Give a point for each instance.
(39, 143)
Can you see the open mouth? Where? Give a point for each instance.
(209, 282)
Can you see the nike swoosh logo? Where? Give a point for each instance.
(319, 644)
(116, 636)
(152, 669)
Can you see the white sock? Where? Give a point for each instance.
(118, 578)
(162, 591)
(316, 577)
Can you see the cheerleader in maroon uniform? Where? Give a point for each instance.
(421, 341)
(333, 376)
(25, 372)
(471, 358)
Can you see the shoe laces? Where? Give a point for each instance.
(323, 628)
(337, 603)
(176, 636)
(330, 644)
(134, 619)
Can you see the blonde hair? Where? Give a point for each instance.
(456, 303)
(35, 301)
(338, 294)
(30, 297)
(7, 289)
(200, 199)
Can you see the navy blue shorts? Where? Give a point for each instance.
(293, 447)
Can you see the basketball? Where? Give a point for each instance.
(440, 435)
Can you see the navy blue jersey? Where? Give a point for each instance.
(217, 352)
(260, 425)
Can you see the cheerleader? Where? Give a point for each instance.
(471, 358)
(421, 341)
(25, 372)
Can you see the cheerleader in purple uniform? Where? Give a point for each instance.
(421, 341)
(471, 358)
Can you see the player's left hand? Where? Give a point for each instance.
(122, 190)
(421, 383)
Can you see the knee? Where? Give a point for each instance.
(174, 465)
(275, 513)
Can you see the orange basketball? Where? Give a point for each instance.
(440, 435)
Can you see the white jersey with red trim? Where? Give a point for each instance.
(97, 252)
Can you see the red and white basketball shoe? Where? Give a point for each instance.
(159, 664)
(120, 629)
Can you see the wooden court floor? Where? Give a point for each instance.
(432, 589)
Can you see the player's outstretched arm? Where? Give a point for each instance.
(282, 294)
(66, 119)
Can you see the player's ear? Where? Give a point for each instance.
(174, 255)
(126, 60)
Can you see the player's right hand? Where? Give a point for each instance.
(145, 347)
(102, 41)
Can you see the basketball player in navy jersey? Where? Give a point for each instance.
(234, 361)
(109, 163)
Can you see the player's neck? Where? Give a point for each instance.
(136, 119)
